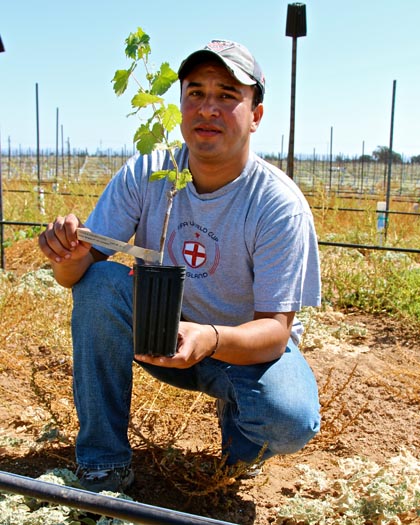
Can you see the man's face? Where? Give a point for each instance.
(217, 114)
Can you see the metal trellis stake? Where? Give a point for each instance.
(2, 258)
(390, 154)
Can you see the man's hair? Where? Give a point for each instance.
(258, 96)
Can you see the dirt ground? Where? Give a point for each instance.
(368, 373)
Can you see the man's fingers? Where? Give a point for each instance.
(60, 238)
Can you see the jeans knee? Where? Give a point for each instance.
(103, 298)
(102, 283)
(294, 432)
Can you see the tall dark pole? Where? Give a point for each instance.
(38, 154)
(331, 156)
(62, 152)
(295, 27)
(391, 137)
(281, 153)
(56, 149)
(362, 168)
(291, 151)
(2, 261)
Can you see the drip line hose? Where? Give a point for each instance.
(110, 506)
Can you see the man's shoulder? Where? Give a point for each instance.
(273, 184)
(268, 168)
(270, 175)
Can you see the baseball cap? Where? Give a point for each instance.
(236, 57)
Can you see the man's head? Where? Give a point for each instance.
(237, 60)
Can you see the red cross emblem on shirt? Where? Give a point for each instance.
(194, 254)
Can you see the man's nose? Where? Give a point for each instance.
(209, 106)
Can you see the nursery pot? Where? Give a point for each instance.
(157, 302)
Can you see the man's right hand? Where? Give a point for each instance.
(69, 257)
(59, 241)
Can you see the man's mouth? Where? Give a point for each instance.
(206, 131)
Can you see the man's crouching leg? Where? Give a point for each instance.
(273, 408)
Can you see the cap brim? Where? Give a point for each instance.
(204, 54)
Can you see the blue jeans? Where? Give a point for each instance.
(272, 404)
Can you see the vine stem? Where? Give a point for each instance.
(171, 195)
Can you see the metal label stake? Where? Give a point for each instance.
(118, 246)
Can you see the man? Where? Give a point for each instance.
(258, 265)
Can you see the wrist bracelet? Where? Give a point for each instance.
(217, 340)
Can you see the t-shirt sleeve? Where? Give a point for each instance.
(286, 263)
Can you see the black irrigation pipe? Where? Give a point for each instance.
(133, 511)
(18, 223)
(369, 247)
(328, 208)
(361, 196)
(62, 193)
(364, 210)
(321, 243)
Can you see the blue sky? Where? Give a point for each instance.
(346, 66)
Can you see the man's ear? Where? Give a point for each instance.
(258, 114)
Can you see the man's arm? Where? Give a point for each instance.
(259, 341)
(69, 257)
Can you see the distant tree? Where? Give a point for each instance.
(365, 158)
(415, 159)
(381, 154)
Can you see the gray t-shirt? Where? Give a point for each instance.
(249, 246)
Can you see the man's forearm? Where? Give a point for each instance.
(258, 341)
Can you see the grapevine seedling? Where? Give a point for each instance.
(154, 132)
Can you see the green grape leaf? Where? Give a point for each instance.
(184, 177)
(158, 175)
(146, 138)
(171, 175)
(121, 79)
(137, 45)
(163, 80)
(143, 99)
(175, 144)
(171, 117)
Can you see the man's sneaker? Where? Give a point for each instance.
(108, 479)
(253, 470)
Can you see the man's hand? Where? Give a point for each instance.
(195, 342)
(59, 241)
(69, 257)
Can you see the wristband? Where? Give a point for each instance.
(217, 340)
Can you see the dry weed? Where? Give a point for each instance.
(401, 380)
(337, 417)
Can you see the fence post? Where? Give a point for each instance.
(2, 261)
(382, 218)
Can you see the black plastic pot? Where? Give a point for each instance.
(157, 302)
